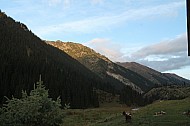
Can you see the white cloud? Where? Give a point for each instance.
(166, 55)
(176, 45)
(98, 24)
(169, 64)
(106, 47)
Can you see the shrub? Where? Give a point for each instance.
(35, 109)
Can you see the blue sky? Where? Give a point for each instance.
(150, 32)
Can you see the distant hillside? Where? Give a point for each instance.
(116, 76)
(103, 67)
(24, 56)
(157, 78)
(167, 93)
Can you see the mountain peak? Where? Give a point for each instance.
(3, 14)
(80, 50)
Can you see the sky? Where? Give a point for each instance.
(150, 32)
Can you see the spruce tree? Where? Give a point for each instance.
(35, 109)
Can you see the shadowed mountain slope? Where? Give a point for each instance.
(158, 78)
(24, 56)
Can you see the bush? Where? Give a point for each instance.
(35, 109)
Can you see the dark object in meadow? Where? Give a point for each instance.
(127, 116)
(187, 113)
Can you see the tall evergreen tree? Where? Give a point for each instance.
(35, 109)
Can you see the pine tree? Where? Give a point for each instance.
(35, 109)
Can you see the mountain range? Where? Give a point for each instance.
(139, 77)
(24, 57)
(70, 70)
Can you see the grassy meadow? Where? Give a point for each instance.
(111, 115)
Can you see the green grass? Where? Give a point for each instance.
(111, 116)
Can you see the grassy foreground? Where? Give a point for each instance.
(111, 116)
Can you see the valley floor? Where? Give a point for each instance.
(145, 116)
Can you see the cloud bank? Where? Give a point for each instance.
(166, 55)
(167, 47)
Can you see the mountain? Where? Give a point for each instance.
(167, 93)
(104, 67)
(157, 78)
(24, 56)
(137, 76)
(92, 60)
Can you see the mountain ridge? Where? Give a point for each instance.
(130, 76)
(155, 76)
(92, 60)
(98, 63)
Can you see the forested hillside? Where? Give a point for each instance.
(24, 56)
(167, 93)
